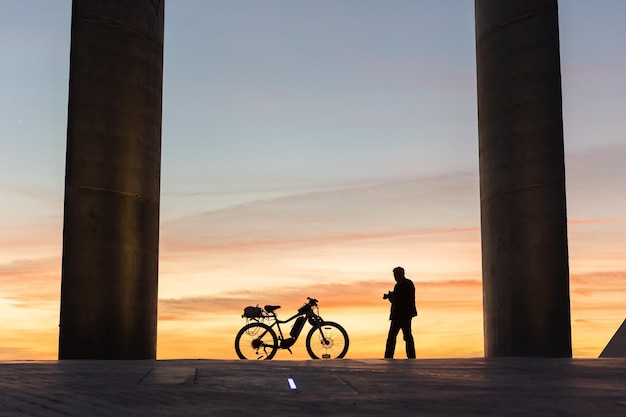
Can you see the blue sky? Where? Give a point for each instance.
(279, 96)
(311, 142)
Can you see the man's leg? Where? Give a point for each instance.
(408, 338)
(394, 328)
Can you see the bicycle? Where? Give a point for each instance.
(258, 339)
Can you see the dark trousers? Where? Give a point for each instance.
(395, 327)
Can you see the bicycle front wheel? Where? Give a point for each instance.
(256, 341)
(327, 341)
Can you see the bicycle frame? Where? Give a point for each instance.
(276, 322)
(307, 311)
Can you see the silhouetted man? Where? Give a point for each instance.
(403, 310)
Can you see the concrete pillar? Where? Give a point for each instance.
(522, 179)
(112, 183)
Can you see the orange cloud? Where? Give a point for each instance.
(450, 321)
(359, 294)
(597, 301)
(598, 221)
(29, 282)
(171, 246)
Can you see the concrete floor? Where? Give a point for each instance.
(370, 387)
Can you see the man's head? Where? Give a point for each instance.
(398, 273)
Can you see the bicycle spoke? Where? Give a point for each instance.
(328, 341)
(256, 341)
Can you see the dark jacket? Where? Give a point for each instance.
(403, 301)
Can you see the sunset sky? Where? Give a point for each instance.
(308, 148)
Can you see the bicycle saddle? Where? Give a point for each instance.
(271, 309)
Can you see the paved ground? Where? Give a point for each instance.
(375, 387)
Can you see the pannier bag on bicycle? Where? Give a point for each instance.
(252, 312)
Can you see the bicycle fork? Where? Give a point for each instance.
(324, 340)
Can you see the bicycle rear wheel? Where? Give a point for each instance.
(256, 341)
(327, 341)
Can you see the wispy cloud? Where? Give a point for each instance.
(607, 286)
(598, 221)
(595, 177)
(597, 301)
(378, 210)
(449, 324)
(453, 294)
(355, 295)
(38, 193)
(30, 282)
(450, 321)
